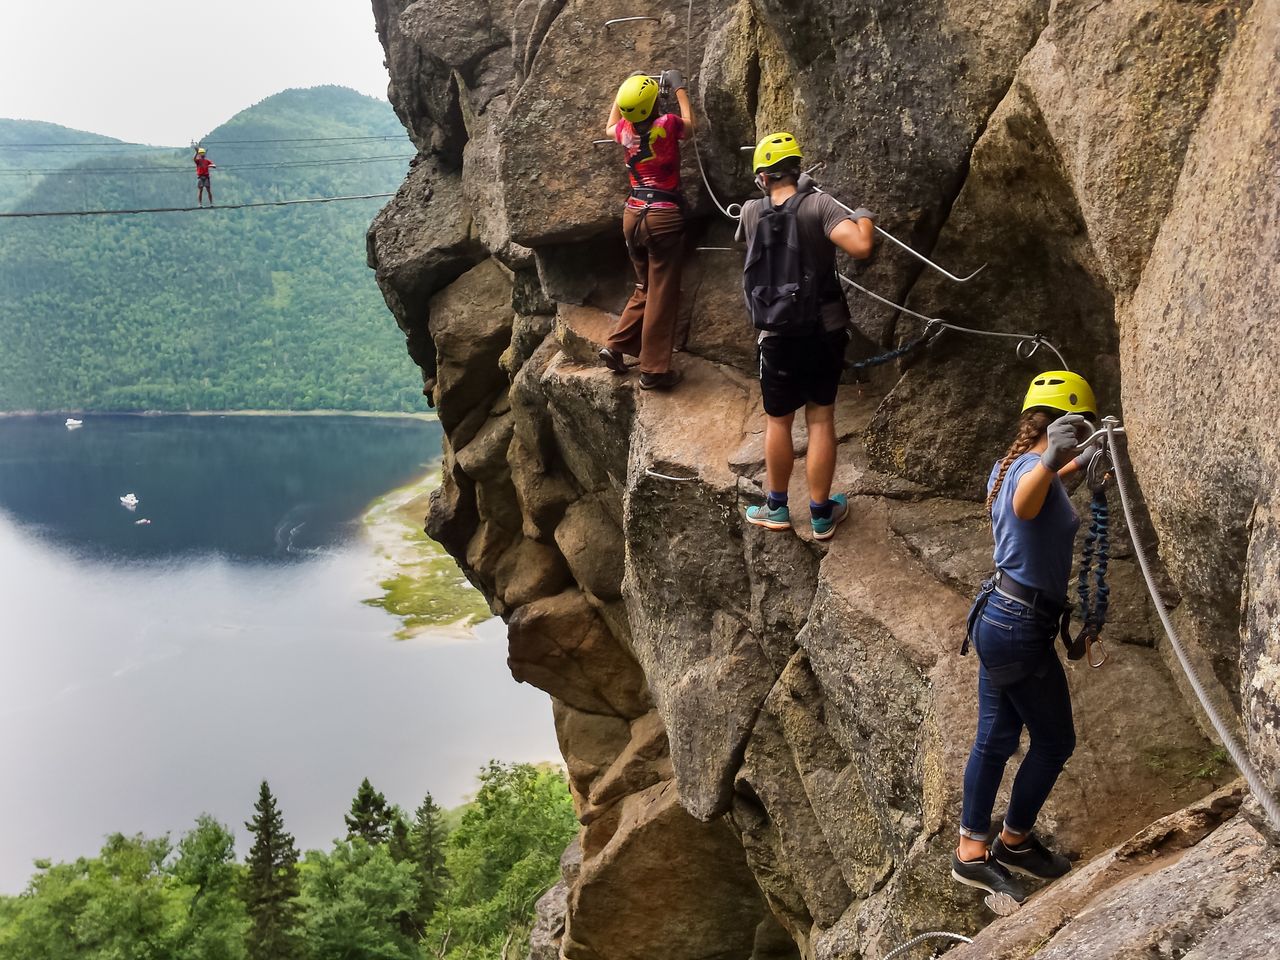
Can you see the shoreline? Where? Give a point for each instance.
(367, 414)
(419, 583)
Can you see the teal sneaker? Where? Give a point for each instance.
(762, 516)
(826, 529)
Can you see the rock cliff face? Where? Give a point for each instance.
(764, 734)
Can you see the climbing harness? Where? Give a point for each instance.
(923, 938)
(1094, 596)
(1264, 797)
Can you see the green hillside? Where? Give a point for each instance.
(268, 308)
(30, 146)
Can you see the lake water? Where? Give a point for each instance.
(151, 672)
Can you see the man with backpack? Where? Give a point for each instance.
(795, 302)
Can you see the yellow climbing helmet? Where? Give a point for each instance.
(636, 97)
(775, 147)
(1061, 391)
(200, 150)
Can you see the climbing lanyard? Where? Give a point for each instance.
(1091, 581)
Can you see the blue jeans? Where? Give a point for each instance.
(1016, 645)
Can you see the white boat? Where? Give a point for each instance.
(72, 423)
(129, 501)
(144, 522)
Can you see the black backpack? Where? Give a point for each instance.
(782, 294)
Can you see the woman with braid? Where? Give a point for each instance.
(1012, 626)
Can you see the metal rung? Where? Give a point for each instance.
(618, 20)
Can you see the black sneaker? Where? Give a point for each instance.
(613, 360)
(1004, 893)
(660, 381)
(1031, 858)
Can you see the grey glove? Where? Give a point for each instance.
(1064, 437)
(672, 80)
(862, 213)
(1087, 454)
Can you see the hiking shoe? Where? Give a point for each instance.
(660, 381)
(762, 516)
(613, 360)
(1031, 858)
(825, 529)
(1004, 893)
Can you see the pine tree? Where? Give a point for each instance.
(271, 884)
(427, 845)
(370, 817)
(399, 845)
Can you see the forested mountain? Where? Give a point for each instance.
(268, 308)
(28, 147)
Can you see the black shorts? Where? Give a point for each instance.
(795, 371)
(202, 181)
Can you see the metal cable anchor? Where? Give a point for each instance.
(617, 20)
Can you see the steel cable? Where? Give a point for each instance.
(922, 938)
(697, 152)
(225, 206)
(79, 171)
(1238, 756)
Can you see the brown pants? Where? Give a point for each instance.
(647, 327)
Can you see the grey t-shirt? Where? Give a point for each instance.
(818, 215)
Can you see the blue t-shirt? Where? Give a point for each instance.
(1037, 553)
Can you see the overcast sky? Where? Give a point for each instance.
(169, 71)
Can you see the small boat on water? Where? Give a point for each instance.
(73, 423)
(129, 501)
(144, 522)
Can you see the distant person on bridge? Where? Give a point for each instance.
(652, 224)
(203, 166)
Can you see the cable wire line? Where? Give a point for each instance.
(149, 146)
(1260, 788)
(99, 171)
(225, 206)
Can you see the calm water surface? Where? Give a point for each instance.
(149, 673)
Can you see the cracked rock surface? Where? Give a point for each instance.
(765, 735)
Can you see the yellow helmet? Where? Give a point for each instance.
(636, 97)
(200, 150)
(775, 147)
(1061, 391)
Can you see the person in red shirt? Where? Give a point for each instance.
(652, 224)
(203, 166)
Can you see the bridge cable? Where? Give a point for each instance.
(225, 206)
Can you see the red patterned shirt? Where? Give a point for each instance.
(657, 163)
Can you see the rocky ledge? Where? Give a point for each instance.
(764, 734)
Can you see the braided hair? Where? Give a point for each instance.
(1030, 426)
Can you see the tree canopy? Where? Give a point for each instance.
(465, 895)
